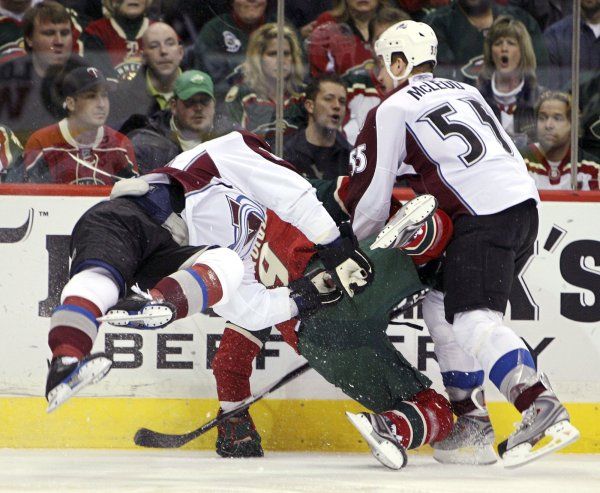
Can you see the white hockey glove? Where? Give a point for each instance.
(352, 268)
(132, 187)
(314, 291)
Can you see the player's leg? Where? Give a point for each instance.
(480, 265)
(207, 278)
(347, 344)
(472, 438)
(425, 418)
(232, 368)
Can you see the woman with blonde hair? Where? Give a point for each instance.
(251, 103)
(340, 39)
(508, 79)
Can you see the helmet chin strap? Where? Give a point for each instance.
(399, 78)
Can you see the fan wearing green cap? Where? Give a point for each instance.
(186, 123)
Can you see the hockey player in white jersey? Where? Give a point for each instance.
(443, 137)
(215, 194)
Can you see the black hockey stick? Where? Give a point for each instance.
(149, 438)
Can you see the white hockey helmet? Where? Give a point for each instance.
(416, 40)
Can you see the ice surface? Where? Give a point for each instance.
(121, 471)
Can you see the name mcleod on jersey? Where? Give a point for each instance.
(418, 91)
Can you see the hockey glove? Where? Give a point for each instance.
(314, 291)
(353, 269)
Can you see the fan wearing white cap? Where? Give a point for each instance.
(442, 137)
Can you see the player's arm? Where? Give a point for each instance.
(379, 149)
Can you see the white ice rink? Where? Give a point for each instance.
(60, 471)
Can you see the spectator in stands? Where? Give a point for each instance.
(508, 80)
(545, 12)
(152, 87)
(188, 122)
(559, 40)
(361, 81)
(222, 42)
(461, 28)
(251, 104)
(418, 9)
(303, 14)
(11, 29)
(589, 102)
(340, 39)
(188, 18)
(10, 150)
(114, 43)
(549, 159)
(29, 85)
(320, 150)
(80, 149)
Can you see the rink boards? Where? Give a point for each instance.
(162, 379)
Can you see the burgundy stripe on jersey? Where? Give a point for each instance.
(259, 146)
(448, 199)
(359, 182)
(196, 175)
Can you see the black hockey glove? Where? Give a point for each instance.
(353, 269)
(314, 291)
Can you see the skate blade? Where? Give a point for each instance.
(414, 213)
(478, 456)
(90, 372)
(562, 434)
(154, 316)
(386, 452)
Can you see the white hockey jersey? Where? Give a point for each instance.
(229, 184)
(443, 132)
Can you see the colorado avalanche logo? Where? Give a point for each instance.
(246, 217)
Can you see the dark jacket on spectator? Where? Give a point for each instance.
(154, 143)
(313, 161)
(132, 97)
(460, 44)
(558, 39)
(219, 48)
(524, 116)
(545, 12)
(29, 102)
(590, 116)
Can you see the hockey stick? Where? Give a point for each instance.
(149, 438)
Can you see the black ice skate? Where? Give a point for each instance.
(378, 432)
(140, 311)
(406, 222)
(67, 376)
(546, 417)
(237, 437)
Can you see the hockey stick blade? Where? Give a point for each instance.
(145, 437)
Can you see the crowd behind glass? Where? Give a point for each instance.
(93, 91)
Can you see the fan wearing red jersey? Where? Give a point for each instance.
(115, 42)
(443, 134)
(80, 149)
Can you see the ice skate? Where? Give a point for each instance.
(378, 433)
(470, 442)
(237, 437)
(67, 376)
(545, 428)
(406, 222)
(140, 311)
